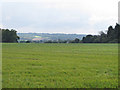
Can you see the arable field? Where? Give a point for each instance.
(59, 65)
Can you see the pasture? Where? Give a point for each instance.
(32, 65)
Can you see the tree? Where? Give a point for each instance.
(112, 36)
(103, 37)
(88, 39)
(28, 41)
(0, 35)
(77, 40)
(117, 32)
(9, 36)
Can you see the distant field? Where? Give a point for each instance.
(60, 65)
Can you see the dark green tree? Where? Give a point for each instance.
(112, 36)
(110, 33)
(103, 37)
(77, 40)
(9, 36)
(88, 39)
(117, 33)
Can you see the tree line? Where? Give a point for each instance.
(112, 35)
(9, 36)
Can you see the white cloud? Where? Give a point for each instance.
(7, 18)
(98, 11)
(97, 19)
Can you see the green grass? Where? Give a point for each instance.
(60, 65)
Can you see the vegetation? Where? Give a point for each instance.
(47, 36)
(60, 65)
(112, 36)
(9, 36)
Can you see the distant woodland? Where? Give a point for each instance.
(112, 35)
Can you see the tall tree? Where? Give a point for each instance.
(112, 36)
(9, 35)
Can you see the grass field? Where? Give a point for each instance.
(60, 65)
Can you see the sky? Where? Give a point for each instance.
(58, 16)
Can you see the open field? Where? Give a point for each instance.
(60, 65)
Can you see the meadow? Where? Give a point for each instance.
(29, 65)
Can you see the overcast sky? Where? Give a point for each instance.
(59, 16)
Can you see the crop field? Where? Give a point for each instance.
(32, 65)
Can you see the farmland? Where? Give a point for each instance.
(59, 65)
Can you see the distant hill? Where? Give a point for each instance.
(48, 36)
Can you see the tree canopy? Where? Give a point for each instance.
(9, 36)
(112, 36)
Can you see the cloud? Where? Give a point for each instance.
(67, 16)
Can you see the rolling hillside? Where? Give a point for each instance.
(48, 36)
